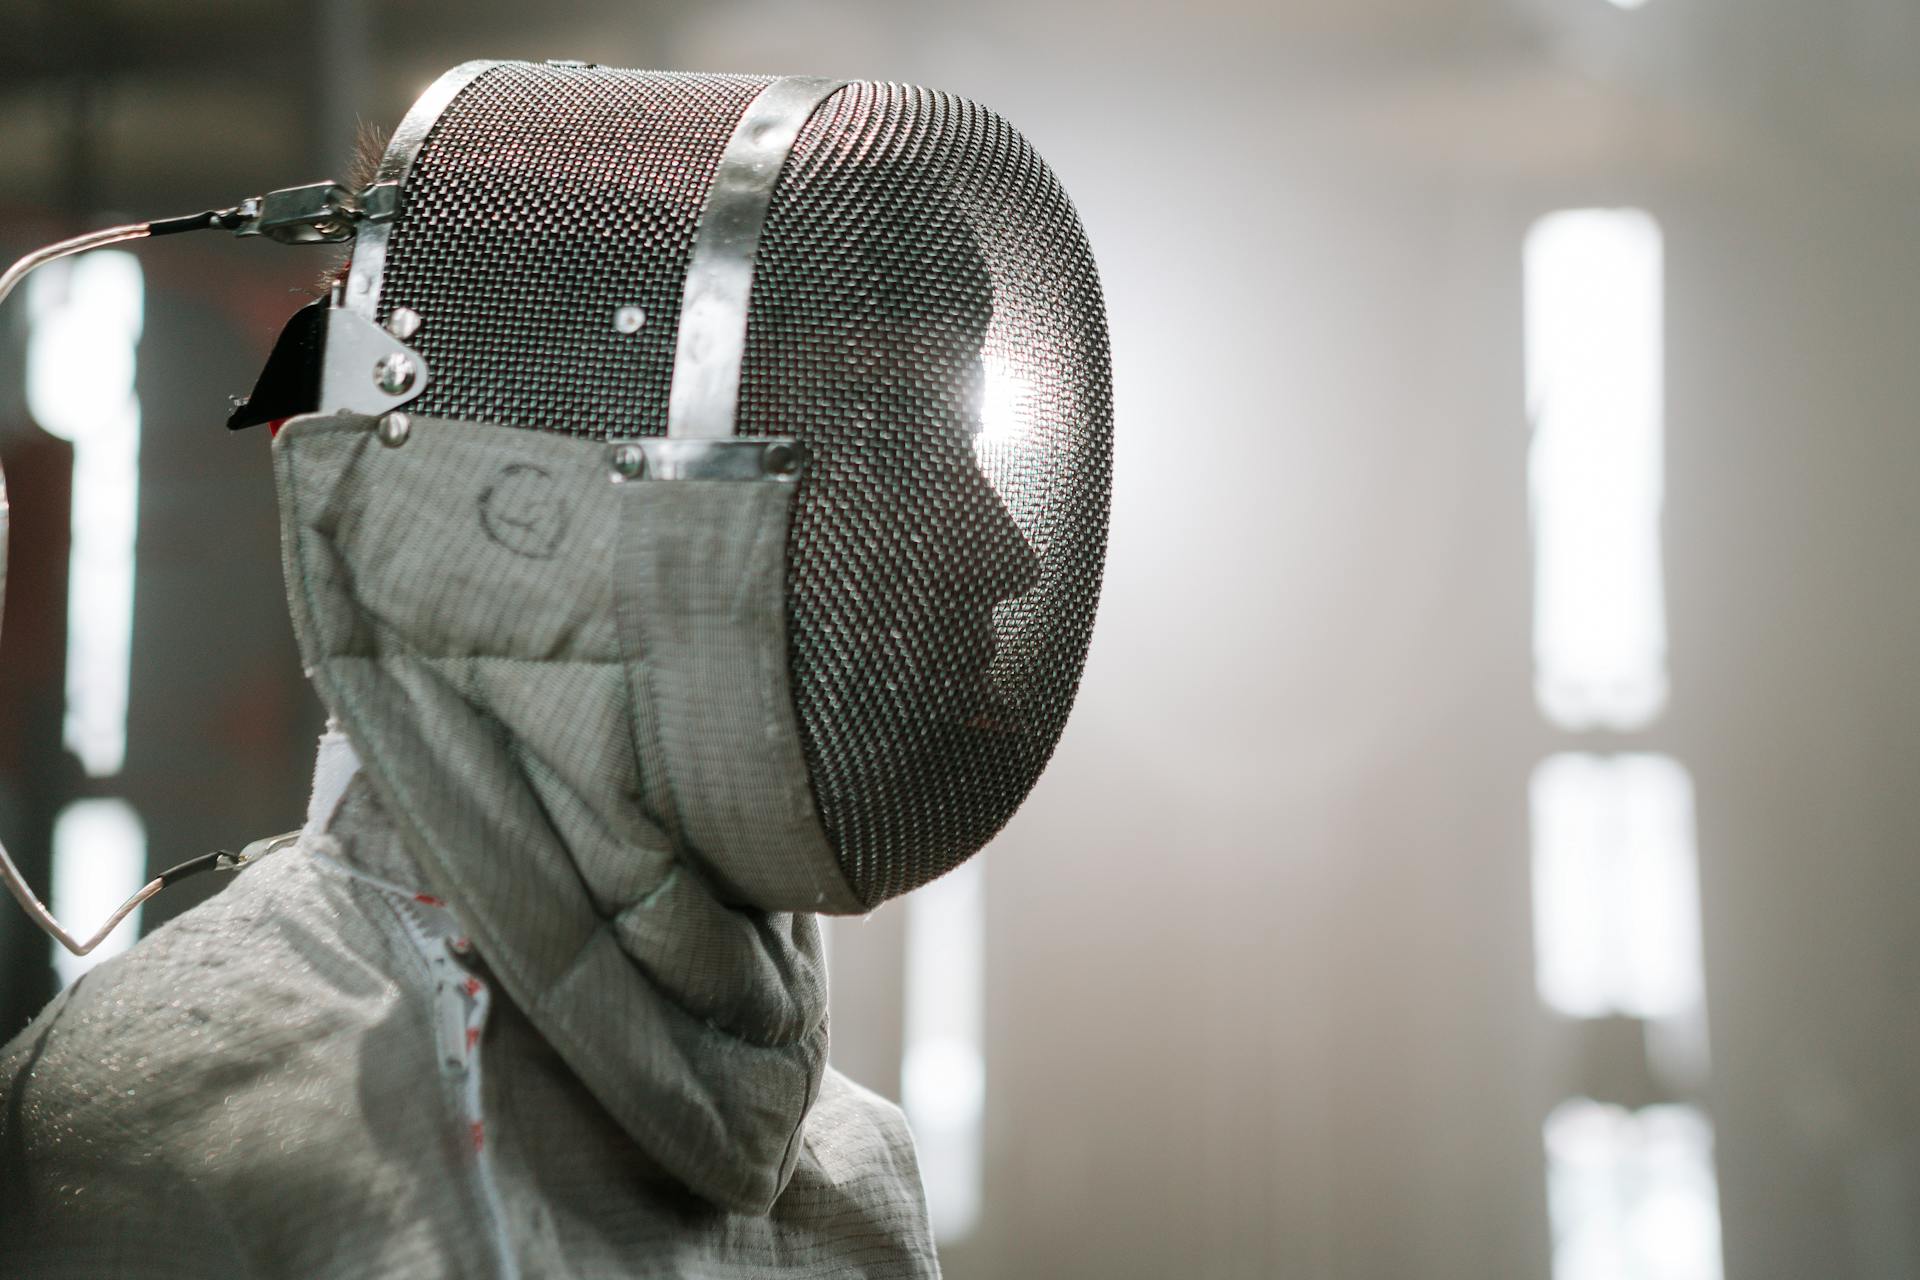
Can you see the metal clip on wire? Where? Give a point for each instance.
(318, 213)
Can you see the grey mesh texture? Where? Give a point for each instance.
(252, 1093)
(545, 199)
(926, 319)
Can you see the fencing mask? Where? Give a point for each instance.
(885, 281)
(591, 317)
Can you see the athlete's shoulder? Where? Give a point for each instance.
(859, 1156)
(852, 1125)
(224, 993)
(109, 1097)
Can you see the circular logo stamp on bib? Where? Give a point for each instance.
(523, 510)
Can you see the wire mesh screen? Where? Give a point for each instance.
(925, 318)
(545, 200)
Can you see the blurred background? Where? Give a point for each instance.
(1486, 842)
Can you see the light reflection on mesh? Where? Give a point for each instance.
(940, 595)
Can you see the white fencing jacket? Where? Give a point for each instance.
(313, 1074)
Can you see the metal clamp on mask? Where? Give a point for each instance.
(319, 213)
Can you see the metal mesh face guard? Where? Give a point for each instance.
(924, 318)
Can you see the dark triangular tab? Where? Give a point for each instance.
(290, 383)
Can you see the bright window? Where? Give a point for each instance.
(86, 319)
(1615, 887)
(1594, 392)
(99, 861)
(1632, 1195)
(943, 1067)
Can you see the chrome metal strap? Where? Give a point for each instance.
(712, 339)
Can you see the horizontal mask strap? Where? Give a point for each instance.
(780, 461)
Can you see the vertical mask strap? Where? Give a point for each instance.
(369, 269)
(712, 341)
